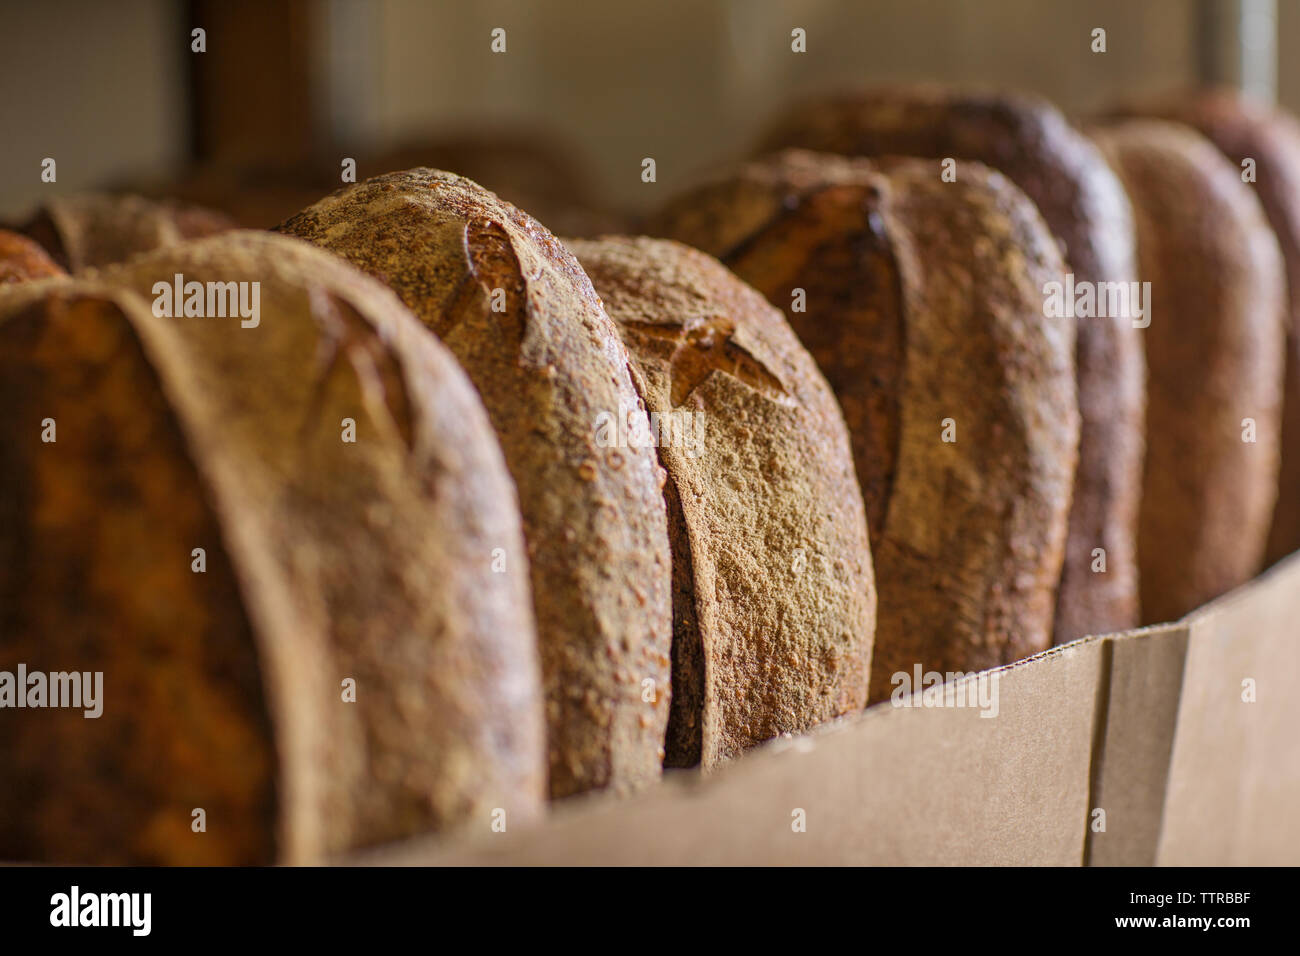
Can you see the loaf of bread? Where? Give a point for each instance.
(86, 230)
(22, 259)
(773, 597)
(517, 310)
(1264, 144)
(1215, 364)
(1028, 141)
(922, 302)
(292, 550)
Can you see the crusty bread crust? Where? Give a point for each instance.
(326, 562)
(1215, 357)
(1030, 142)
(1243, 129)
(924, 304)
(548, 365)
(776, 611)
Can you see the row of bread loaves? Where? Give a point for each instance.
(468, 517)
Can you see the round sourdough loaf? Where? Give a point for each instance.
(22, 259)
(1030, 142)
(517, 310)
(301, 636)
(86, 230)
(1215, 359)
(773, 597)
(922, 302)
(1270, 139)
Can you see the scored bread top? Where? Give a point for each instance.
(517, 310)
(1030, 142)
(777, 224)
(765, 512)
(923, 303)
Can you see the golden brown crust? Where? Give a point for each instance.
(1243, 129)
(769, 523)
(782, 225)
(1028, 140)
(1214, 354)
(326, 561)
(89, 230)
(22, 258)
(548, 366)
(924, 303)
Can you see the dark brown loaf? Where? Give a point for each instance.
(1214, 354)
(924, 303)
(1028, 140)
(325, 561)
(88, 230)
(22, 259)
(547, 365)
(774, 602)
(1242, 130)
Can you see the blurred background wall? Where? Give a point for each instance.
(114, 94)
(97, 86)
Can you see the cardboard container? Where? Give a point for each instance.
(1233, 789)
(1177, 744)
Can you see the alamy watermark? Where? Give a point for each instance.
(209, 299)
(951, 689)
(631, 429)
(1098, 300)
(76, 689)
(74, 908)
